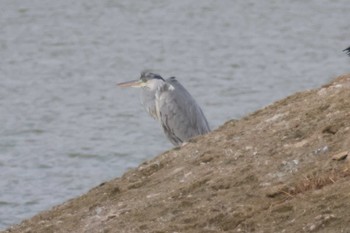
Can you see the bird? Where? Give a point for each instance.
(347, 51)
(167, 101)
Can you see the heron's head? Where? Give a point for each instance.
(147, 79)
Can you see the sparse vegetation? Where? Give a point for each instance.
(276, 170)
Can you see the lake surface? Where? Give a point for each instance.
(66, 127)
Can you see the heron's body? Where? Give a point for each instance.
(172, 105)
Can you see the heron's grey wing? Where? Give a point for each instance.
(180, 115)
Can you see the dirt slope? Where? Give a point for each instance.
(272, 171)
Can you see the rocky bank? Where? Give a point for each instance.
(284, 168)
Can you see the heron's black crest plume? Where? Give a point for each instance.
(146, 75)
(347, 51)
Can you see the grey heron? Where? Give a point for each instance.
(167, 101)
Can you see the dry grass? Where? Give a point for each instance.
(315, 181)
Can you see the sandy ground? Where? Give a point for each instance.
(284, 168)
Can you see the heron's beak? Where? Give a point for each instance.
(134, 83)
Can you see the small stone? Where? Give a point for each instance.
(111, 216)
(301, 143)
(152, 195)
(340, 156)
(312, 227)
(275, 191)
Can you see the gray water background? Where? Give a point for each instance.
(66, 127)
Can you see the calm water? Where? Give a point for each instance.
(66, 127)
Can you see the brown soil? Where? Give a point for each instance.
(283, 168)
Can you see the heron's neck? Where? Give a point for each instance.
(156, 85)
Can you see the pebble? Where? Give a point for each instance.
(340, 156)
